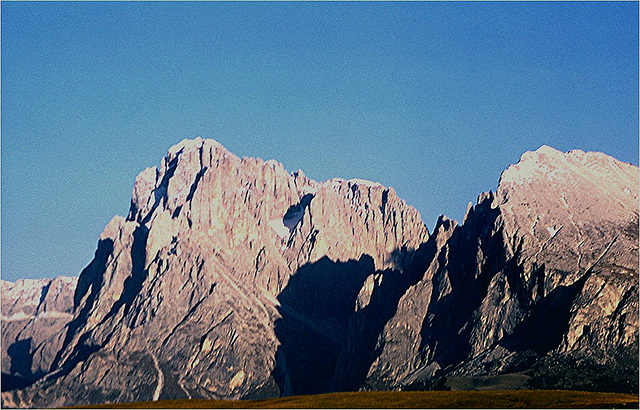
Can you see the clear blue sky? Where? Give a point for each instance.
(433, 99)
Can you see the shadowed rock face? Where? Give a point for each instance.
(231, 278)
(34, 315)
(543, 271)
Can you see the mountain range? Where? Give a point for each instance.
(233, 278)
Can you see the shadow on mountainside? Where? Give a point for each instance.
(133, 284)
(325, 344)
(315, 307)
(88, 288)
(470, 258)
(20, 374)
(368, 322)
(131, 287)
(90, 281)
(543, 329)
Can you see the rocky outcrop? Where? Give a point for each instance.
(34, 315)
(233, 278)
(229, 278)
(544, 270)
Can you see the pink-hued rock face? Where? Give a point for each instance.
(190, 285)
(566, 206)
(34, 313)
(545, 267)
(233, 278)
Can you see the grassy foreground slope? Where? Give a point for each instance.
(432, 399)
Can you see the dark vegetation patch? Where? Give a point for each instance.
(583, 373)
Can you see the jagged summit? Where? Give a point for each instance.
(233, 278)
(203, 289)
(548, 163)
(575, 198)
(535, 278)
(197, 144)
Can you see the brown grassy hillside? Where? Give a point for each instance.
(393, 399)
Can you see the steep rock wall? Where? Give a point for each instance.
(224, 277)
(545, 269)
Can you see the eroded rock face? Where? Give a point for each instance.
(544, 271)
(226, 280)
(34, 314)
(232, 278)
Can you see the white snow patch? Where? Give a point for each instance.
(280, 228)
(364, 182)
(553, 231)
(44, 315)
(284, 226)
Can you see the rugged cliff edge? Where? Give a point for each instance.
(541, 276)
(229, 278)
(232, 278)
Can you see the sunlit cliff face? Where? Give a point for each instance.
(233, 278)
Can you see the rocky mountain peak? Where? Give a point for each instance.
(233, 278)
(554, 200)
(515, 283)
(219, 267)
(547, 164)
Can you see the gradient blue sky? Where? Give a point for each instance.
(433, 99)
